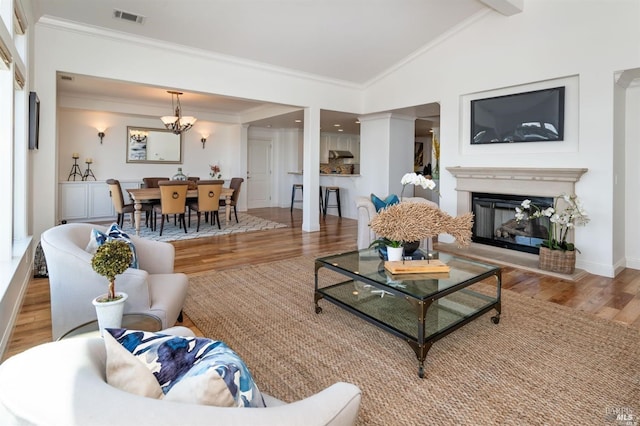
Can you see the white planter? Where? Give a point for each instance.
(110, 313)
(394, 253)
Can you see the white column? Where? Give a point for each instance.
(311, 170)
(244, 150)
(386, 152)
(402, 145)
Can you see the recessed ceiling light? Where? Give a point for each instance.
(357, 121)
(298, 121)
(336, 125)
(341, 130)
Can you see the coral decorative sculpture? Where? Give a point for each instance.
(415, 221)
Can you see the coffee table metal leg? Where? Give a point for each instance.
(317, 295)
(496, 318)
(420, 347)
(421, 354)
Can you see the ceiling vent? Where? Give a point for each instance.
(126, 16)
(66, 77)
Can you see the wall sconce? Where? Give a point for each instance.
(203, 140)
(101, 135)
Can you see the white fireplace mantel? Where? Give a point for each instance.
(547, 182)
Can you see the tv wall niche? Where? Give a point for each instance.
(535, 116)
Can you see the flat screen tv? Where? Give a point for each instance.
(34, 120)
(536, 116)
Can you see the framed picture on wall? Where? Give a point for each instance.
(418, 154)
(34, 120)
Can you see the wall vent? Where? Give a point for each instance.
(126, 16)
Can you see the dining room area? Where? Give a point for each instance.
(154, 181)
(166, 209)
(179, 196)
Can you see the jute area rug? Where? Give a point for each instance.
(542, 364)
(171, 232)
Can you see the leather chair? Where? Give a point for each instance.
(152, 182)
(153, 288)
(115, 192)
(208, 201)
(235, 184)
(64, 383)
(173, 200)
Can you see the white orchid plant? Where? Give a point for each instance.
(408, 178)
(416, 179)
(571, 216)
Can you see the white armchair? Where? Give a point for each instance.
(153, 289)
(367, 211)
(64, 383)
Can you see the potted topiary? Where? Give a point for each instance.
(112, 258)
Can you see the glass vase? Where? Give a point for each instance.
(179, 175)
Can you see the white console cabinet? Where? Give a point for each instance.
(85, 201)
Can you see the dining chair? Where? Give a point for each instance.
(235, 184)
(173, 200)
(208, 201)
(152, 182)
(115, 192)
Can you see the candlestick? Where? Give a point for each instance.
(88, 174)
(75, 170)
(75, 155)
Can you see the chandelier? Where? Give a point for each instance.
(177, 123)
(138, 135)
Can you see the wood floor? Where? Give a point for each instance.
(616, 299)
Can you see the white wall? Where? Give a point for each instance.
(77, 133)
(551, 39)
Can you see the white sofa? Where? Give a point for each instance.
(153, 289)
(64, 383)
(367, 211)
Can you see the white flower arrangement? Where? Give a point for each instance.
(416, 179)
(574, 214)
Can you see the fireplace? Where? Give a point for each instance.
(495, 223)
(537, 182)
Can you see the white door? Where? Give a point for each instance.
(259, 173)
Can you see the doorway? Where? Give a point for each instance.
(258, 173)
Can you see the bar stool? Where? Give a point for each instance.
(295, 187)
(299, 186)
(327, 191)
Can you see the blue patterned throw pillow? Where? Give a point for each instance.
(383, 204)
(114, 232)
(186, 369)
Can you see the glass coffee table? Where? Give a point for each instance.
(420, 308)
(145, 322)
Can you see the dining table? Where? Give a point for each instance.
(150, 195)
